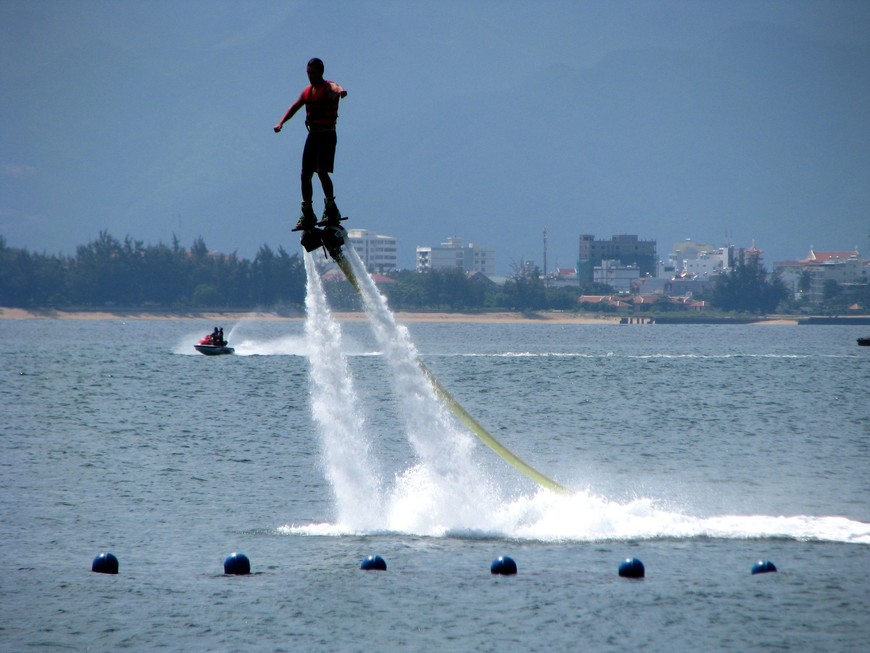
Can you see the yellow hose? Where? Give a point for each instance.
(485, 436)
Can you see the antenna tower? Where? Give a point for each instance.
(546, 282)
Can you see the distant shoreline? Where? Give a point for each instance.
(548, 317)
(542, 317)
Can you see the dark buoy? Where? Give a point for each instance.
(631, 568)
(373, 563)
(237, 564)
(763, 567)
(105, 563)
(503, 566)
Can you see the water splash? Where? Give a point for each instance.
(444, 494)
(447, 482)
(586, 517)
(288, 345)
(246, 345)
(337, 414)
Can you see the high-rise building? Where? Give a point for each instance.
(378, 253)
(626, 249)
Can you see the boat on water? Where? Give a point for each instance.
(214, 344)
(213, 350)
(864, 342)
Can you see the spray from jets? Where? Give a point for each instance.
(443, 492)
(338, 416)
(452, 484)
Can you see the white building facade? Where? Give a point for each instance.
(687, 250)
(709, 263)
(378, 253)
(455, 254)
(616, 275)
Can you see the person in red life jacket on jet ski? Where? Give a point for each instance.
(215, 338)
(321, 113)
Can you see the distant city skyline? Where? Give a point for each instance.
(358, 234)
(661, 254)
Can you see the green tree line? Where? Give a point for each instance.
(111, 273)
(747, 288)
(453, 290)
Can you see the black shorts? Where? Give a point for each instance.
(319, 152)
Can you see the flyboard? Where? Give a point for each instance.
(332, 237)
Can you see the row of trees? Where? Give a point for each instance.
(453, 290)
(747, 288)
(108, 273)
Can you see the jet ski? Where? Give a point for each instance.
(213, 346)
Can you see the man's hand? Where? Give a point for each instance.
(277, 127)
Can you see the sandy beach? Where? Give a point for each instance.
(550, 317)
(542, 317)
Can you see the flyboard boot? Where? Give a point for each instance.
(331, 214)
(333, 234)
(307, 220)
(307, 224)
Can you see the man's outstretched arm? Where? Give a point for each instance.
(289, 113)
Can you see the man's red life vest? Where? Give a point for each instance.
(321, 105)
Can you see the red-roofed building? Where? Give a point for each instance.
(594, 299)
(609, 301)
(820, 258)
(688, 303)
(806, 278)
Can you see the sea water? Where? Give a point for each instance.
(697, 449)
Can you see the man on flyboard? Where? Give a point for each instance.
(321, 113)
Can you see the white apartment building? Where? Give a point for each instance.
(378, 253)
(701, 259)
(687, 250)
(455, 254)
(616, 275)
(708, 263)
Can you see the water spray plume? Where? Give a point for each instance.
(392, 335)
(336, 412)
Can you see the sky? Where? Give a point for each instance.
(723, 122)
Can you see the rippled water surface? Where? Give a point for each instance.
(698, 449)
